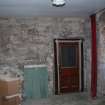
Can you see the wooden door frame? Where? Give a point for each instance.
(80, 41)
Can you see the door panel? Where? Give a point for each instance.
(67, 55)
(68, 62)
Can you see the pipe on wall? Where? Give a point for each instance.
(94, 57)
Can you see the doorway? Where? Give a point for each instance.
(68, 65)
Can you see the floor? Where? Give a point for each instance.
(68, 99)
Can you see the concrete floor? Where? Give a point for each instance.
(68, 99)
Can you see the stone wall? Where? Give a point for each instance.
(30, 41)
(87, 56)
(101, 52)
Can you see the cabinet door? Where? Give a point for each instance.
(36, 83)
(28, 89)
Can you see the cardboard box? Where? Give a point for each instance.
(9, 87)
(11, 101)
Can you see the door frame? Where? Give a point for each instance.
(56, 57)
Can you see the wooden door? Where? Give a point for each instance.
(68, 66)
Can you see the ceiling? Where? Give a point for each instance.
(45, 8)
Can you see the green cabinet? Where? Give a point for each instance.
(35, 81)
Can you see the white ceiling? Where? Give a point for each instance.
(45, 8)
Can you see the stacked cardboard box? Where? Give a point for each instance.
(11, 100)
(9, 87)
(9, 92)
